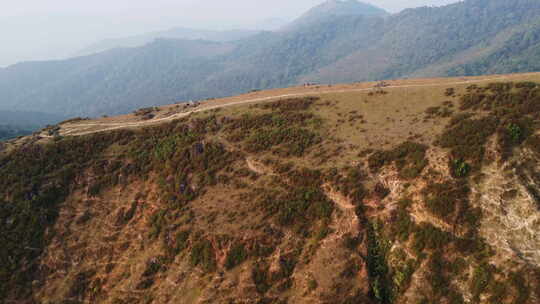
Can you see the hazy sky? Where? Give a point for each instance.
(48, 29)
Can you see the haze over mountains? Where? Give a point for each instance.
(175, 33)
(325, 45)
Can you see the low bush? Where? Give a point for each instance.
(292, 104)
(349, 184)
(293, 141)
(467, 139)
(439, 277)
(460, 168)
(202, 254)
(409, 158)
(427, 236)
(236, 256)
(447, 201)
(482, 277)
(401, 224)
(259, 275)
(299, 206)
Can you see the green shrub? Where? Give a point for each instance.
(202, 254)
(237, 255)
(482, 276)
(467, 139)
(427, 236)
(349, 184)
(381, 283)
(408, 157)
(460, 168)
(298, 205)
(402, 224)
(523, 292)
(294, 141)
(448, 200)
(439, 278)
(292, 104)
(259, 275)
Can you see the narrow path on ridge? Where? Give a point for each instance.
(81, 129)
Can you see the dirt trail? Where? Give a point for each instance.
(79, 129)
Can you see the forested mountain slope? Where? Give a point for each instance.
(467, 38)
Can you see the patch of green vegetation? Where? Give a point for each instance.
(175, 245)
(294, 141)
(296, 201)
(237, 255)
(409, 158)
(381, 283)
(427, 236)
(441, 112)
(439, 276)
(482, 277)
(511, 110)
(401, 225)
(513, 134)
(202, 254)
(284, 130)
(402, 275)
(349, 183)
(523, 292)
(301, 206)
(153, 267)
(35, 180)
(447, 201)
(460, 168)
(259, 275)
(291, 104)
(467, 139)
(351, 242)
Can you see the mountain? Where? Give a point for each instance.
(427, 191)
(93, 85)
(466, 38)
(175, 33)
(336, 8)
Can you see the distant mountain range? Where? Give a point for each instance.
(175, 33)
(13, 124)
(339, 41)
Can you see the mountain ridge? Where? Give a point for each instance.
(174, 33)
(402, 192)
(451, 40)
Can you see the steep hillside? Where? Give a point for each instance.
(113, 82)
(466, 38)
(422, 192)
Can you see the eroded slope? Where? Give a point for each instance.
(423, 196)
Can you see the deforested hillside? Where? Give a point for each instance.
(422, 192)
(339, 41)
